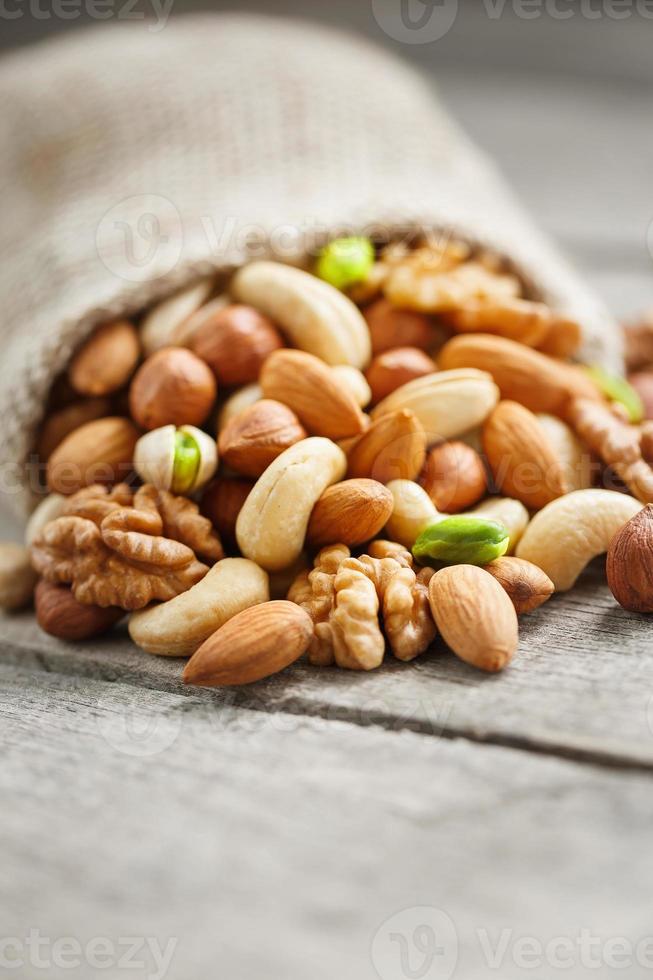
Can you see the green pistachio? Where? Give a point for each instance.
(617, 389)
(462, 540)
(186, 462)
(345, 261)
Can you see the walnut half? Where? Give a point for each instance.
(119, 549)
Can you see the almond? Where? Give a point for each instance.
(107, 360)
(563, 338)
(60, 424)
(222, 502)
(454, 477)
(172, 387)
(235, 342)
(60, 614)
(475, 616)
(308, 386)
(393, 448)
(391, 327)
(526, 584)
(255, 643)
(257, 435)
(349, 513)
(524, 462)
(395, 367)
(98, 452)
(535, 380)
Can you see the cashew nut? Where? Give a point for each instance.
(238, 402)
(178, 627)
(17, 577)
(507, 511)
(47, 510)
(162, 322)
(413, 511)
(446, 403)
(566, 534)
(315, 316)
(572, 453)
(271, 526)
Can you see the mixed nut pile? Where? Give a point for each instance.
(390, 444)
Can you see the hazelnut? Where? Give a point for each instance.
(392, 327)
(222, 502)
(107, 360)
(395, 367)
(235, 342)
(454, 477)
(60, 614)
(172, 387)
(629, 566)
(181, 460)
(257, 435)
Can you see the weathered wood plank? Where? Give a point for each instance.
(277, 846)
(581, 685)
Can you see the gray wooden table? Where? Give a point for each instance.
(421, 821)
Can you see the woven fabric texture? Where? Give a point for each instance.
(131, 161)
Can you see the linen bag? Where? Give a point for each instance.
(132, 161)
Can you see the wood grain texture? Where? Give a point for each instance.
(275, 846)
(581, 684)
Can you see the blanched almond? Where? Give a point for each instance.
(446, 403)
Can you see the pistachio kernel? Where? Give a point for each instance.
(345, 261)
(461, 540)
(617, 389)
(186, 462)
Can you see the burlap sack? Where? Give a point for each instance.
(130, 161)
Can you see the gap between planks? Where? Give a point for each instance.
(579, 689)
